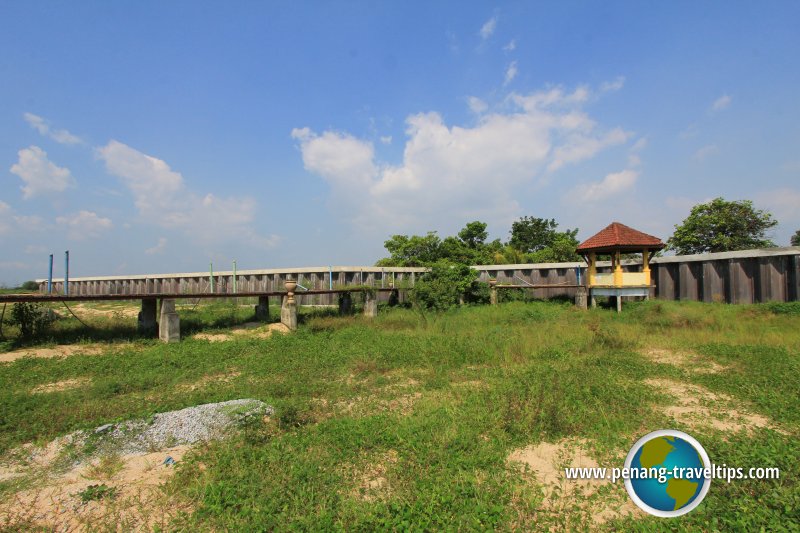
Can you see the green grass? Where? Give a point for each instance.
(432, 405)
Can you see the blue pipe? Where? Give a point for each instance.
(50, 277)
(66, 273)
(330, 277)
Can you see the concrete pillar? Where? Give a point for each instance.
(493, 291)
(169, 327)
(619, 303)
(370, 304)
(146, 323)
(345, 304)
(289, 306)
(580, 298)
(262, 309)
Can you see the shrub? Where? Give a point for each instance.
(30, 286)
(33, 319)
(445, 285)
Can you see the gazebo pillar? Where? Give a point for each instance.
(592, 268)
(617, 269)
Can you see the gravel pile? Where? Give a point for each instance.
(186, 426)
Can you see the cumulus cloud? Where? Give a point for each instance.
(161, 196)
(511, 73)
(721, 103)
(462, 172)
(39, 174)
(43, 127)
(84, 225)
(612, 184)
(487, 30)
(158, 248)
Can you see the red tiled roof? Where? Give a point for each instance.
(617, 235)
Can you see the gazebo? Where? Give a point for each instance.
(614, 240)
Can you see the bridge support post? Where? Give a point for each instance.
(493, 291)
(262, 309)
(146, 324)
(169, 327)
(345, 304)
(370, 304)
(580, 298)
(289, 306)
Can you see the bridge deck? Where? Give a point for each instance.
(38, 297)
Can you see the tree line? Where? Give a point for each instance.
(715, 226)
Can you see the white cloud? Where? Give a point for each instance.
(161, 196)
(611, 185)
(488, 28)
(43, 127)
(476, 105)
(721, 103)
(511, 73)
(40, 175)
(616, 85)
(386, 139)
(705, 152)
(511, 46)
(84, 225)
(457, 172)
(634, 160)
(579, 146)
(158, 248)
(30, 222)
(640, 144)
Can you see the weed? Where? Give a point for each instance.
(97, 492)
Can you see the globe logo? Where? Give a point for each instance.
(669, 473)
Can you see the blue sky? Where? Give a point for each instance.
(158, 136)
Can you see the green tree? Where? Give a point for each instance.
(541, 242)
(795, 238)
(415, 250)
(469, 247)
(722, 226)
(474, 235)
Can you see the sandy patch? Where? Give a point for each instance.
(121, 312)
(697, 407)
(135, 498)
(249, 329)
(686, 360)
(212, 337)
(547, 461)
(58, 386)
(62, 350)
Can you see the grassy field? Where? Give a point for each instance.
(408, 421)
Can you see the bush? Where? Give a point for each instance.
(445, 286)
(30, 286)
(33, 319)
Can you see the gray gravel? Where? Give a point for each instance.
(186, 426)
(164, 430)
